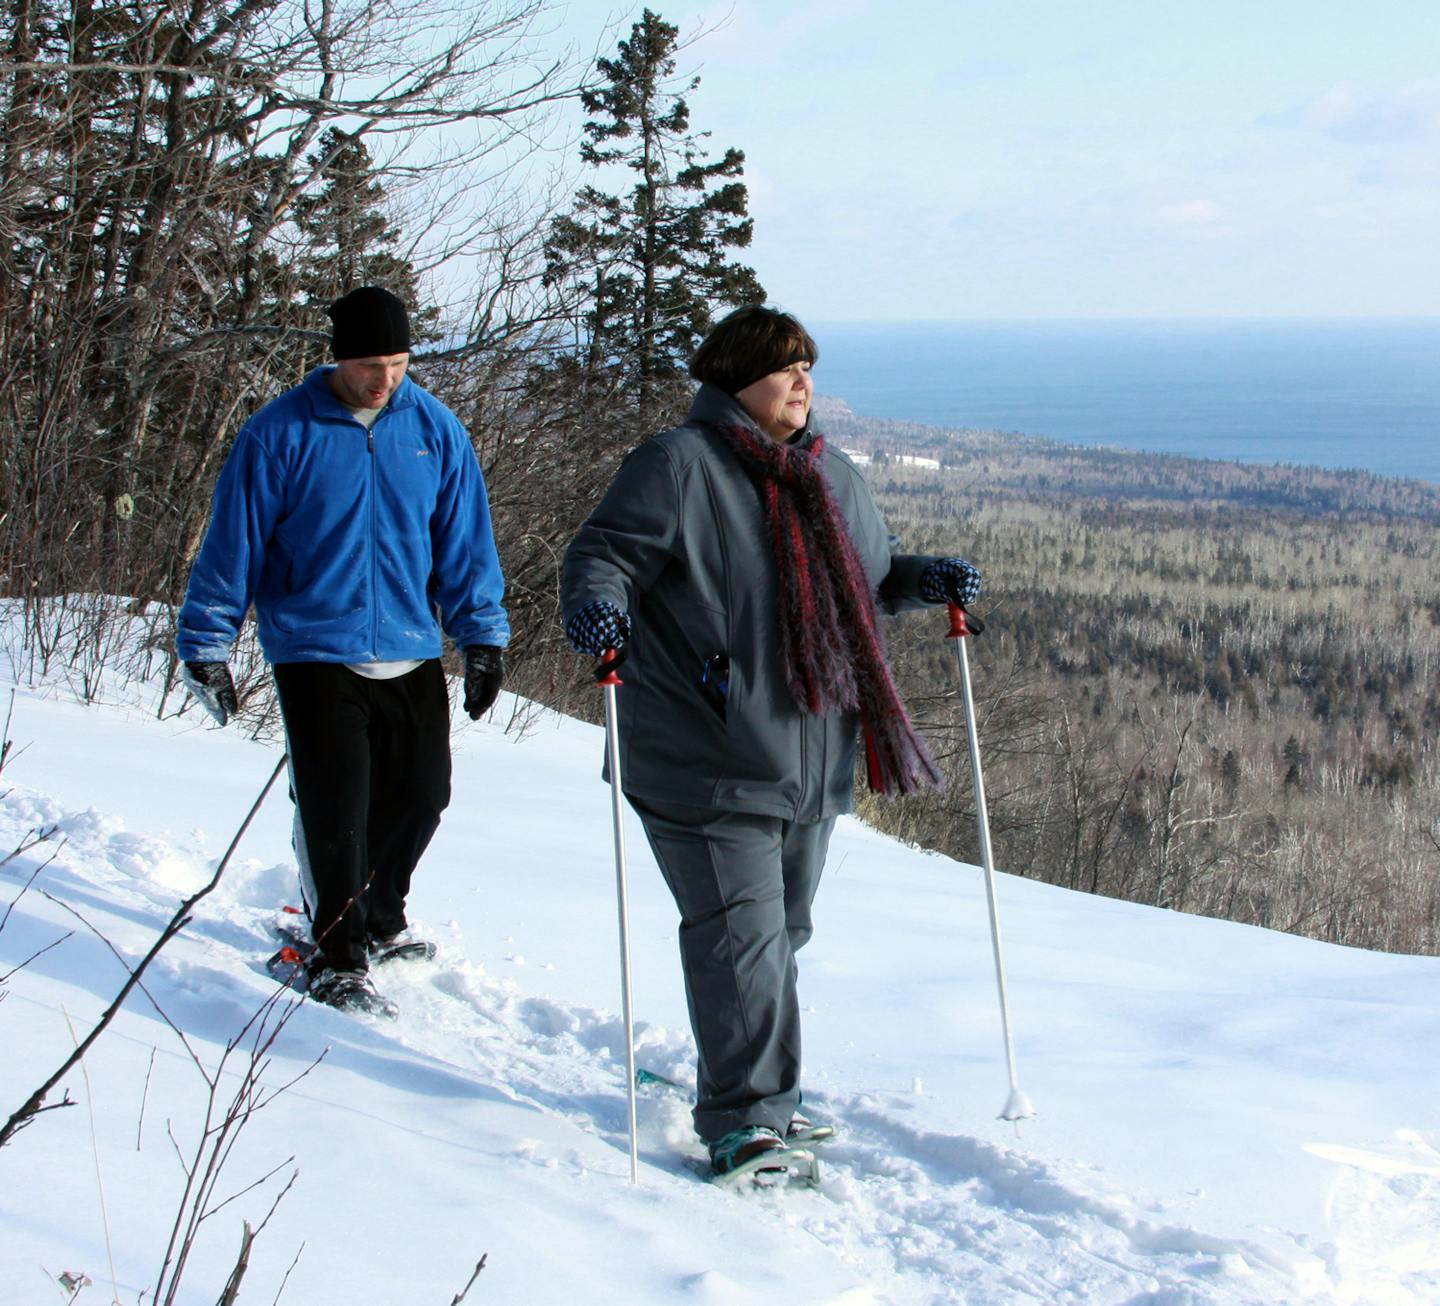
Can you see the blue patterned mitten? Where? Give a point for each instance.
(950, 580)
(598, 626)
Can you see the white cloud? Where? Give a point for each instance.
(1384, 140)
(1349, 112)
(1200, 217)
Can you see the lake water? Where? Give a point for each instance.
(1330, 392)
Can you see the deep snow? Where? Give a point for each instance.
(1227, 1115)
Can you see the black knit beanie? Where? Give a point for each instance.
(369, 323)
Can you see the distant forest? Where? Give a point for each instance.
(1207, 686)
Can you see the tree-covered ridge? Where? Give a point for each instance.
(1211, 686)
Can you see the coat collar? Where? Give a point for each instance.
(714, 407)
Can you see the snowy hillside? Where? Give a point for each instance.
(1226, 1115)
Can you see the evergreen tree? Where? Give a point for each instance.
(348, 240)
(650, 266)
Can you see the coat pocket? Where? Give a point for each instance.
(715, 683)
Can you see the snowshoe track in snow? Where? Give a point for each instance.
(925, 1217)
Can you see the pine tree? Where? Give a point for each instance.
(348, 240)
(650, 266)
(349, 237)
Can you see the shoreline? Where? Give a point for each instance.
(1338, 393)
(835, 414)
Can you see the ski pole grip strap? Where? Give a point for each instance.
(963, 622)
(608, 665)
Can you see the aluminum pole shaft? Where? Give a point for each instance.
(1017, 1105)
(622, 894)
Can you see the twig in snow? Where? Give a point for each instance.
(144, 1099)
(464, 1292)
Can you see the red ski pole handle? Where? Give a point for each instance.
(963, 623)
(605, 670)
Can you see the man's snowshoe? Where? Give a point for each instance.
(292, 927)
(404, 946)
(295, 964)
(350, 990)
(296, 951)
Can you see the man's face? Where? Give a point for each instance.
(368, 382)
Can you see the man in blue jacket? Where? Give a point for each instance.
(350, 513)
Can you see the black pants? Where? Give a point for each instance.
(370, 775)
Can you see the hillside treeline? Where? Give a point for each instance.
(1205, 686)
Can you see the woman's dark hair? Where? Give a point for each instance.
(750, 343)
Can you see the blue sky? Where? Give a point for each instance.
(909, 159)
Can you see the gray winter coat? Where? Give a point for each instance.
(679, 541)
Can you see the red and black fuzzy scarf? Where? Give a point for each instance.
(829, 624)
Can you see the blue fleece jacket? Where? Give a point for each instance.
(347, 541)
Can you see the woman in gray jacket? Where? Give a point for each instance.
(741, 562)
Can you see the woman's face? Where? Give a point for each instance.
(780, 402)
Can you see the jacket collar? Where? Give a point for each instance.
(714, 407)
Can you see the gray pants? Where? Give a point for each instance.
(744, 884)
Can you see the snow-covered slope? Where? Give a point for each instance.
(1226, 1115)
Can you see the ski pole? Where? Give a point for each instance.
(607, 679)
(1017, 1105)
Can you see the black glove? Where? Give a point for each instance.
(950, 580)
(212, 687)
(484, 674)
(598, 626)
